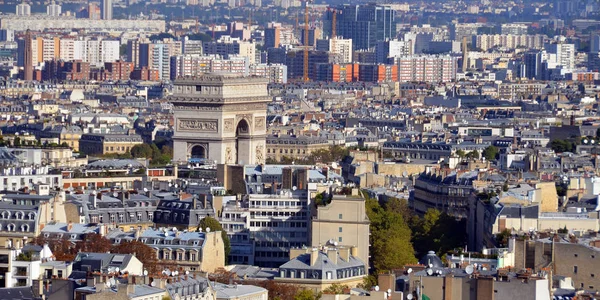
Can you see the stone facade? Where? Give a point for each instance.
(221, 118)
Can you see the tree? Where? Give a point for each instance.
(472, 155)
(335, 289)
(502, 238)
(143, 252)
(490, 152)
(214, 225)
(391, 246)
(17, 142)
(560, 146)
(307, 294)
(62, 248)
(141, 151)
(93, 243)
(460, 153)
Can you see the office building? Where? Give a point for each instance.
(313, 35)
(191, 47)
(363, 24)
(392, 49)
(337, 73)
(343, 47)
(272, 35)
(295, 62)
(107, 9)
(532, 62)
(226, 46)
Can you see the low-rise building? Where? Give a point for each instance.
(100, 144)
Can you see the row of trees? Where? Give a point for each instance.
(17, 142)
(333, 154)
(490, 153)
(398, 236)
(65, 250)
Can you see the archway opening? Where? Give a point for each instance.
(242, 131)
(198, 152)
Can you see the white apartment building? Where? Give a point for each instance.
(193, 65)
(560, 55)
(392, 48)
(23, 9)
(16, 178)
(53, 9)
(342, 47)
(427, 68)
(488, 41)
(276, 73)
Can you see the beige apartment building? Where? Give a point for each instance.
(345, 222)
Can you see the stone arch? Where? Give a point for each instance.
(197, 151)
(242, 141)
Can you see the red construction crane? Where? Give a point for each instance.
(306, 43)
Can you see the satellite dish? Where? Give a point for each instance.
(585, 141)
(430, 265)
(475, 265)
(115, 194)
(409, 296)
(153, 283)
(334, 165)
(107, 284)
(207, 229)
(145, 190)
(405, 174)
(117, 269)
(429, 272)
(112, 282)
(294, 188)
(377, 288)
(174, 229)
(176, 185)
(94, 193)
(409, 270)
(145, 272)
(389, 291)
(187, 272)
(469, 269)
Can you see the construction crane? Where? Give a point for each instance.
(306, 43)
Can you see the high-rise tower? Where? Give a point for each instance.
(107, 10)
(28, 58)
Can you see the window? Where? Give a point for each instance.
(340, 239)
(574, 269)
(59, 274)
(340, 229)
(340, 216)
(576, 255)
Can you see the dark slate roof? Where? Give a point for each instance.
(431, 258)
(17, 293)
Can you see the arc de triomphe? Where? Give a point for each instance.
(220, 117)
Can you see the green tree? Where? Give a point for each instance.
(307, 294)
(560, 146)
(17, 142)
(490, 152)
(460, 153)
(391, 246)
(214, 225)
(141, 151)
(502, 238)
(472, 155)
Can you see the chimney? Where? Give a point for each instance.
(194, 202)
(387, 281)
(69, 226)
(93, 199)
(344, 253)
(314, 255)
(332, 255)
(354, 251)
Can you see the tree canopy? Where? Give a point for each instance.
(214, 225)
(490, 152)
(390, 239)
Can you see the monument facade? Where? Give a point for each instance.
(220, 117)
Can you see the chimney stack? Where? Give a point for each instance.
(69, 226)
(344, 253)
(332, 255)
(314, 255)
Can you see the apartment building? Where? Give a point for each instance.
(227, 46)
(340, 46)
(487, 41)
(427, 68)
(275, 73)
(194, 65)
